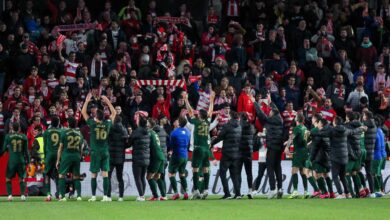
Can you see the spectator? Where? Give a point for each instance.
(366, 52)
(355, 96)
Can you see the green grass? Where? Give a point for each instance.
(259, 208)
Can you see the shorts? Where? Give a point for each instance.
(70, 163)
(100, 161)
(157, 166)
(376, 167)
(177, 164)
(299, 158)
(50, 163)
(353, 165)
(320, 168)
(200, 157)
(309, 164)
(16, 168)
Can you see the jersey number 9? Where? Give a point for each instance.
(55, 139)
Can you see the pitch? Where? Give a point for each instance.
(212, 208)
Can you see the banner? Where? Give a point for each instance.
(215, 187)
(159, 82)
(173, 20)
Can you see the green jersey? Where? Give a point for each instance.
(201, 132)
(52, 140)
(300, 137)
(99, 134)
(156, 152)
(16, 145)
(72, 141)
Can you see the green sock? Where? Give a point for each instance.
(329, 183)
(153, 187)
(77, 186)
(93, 186)
(106, 185)
(172, 179)
(195, 179)
(304, 181)
(9, 188)
(349, 184)
(183, 182)
(47, 186)
(377, 185)
(295, 181)
(22, 185)
(362, 179)
(322, 185)
(313, 183)
(206, 180)
(161, 187)
(61, 186)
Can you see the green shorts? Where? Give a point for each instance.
(299, 158)
(100, 161)
(70, 163)
(200, 157)
(50, 163)
(320, 168)
(376, 167)
(156, 166)
(309, 164)
(177, 164)
(353, 165)
(16, 168)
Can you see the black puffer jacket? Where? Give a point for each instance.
(140, 141)
(320, 147)
(163, 137)
(338, 143)
(231, 137)
(247, 135)
(354, 151)
(274, 126)
(117, 139)
(370, 138)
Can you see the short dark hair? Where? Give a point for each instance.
(152, 122)
(118, 119)
(244, 116)
(323, 121)
(55, 121)
(72, 122)
(100, 115)
(368, 114)
(142, 122)
(338, 120)
(182, 121)
(351, 116)
(317, 116)
(234, 115)
(203, 114)
(15, 126)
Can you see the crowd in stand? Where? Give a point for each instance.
(330, 57)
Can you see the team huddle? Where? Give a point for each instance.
(341, 147)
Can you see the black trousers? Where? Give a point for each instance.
(119, 176)
(370, 177)
(231, 165)
(260, 174)
(338, 174)
(274, 168)
(139, 173)
(246, 162)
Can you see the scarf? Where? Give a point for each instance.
(366, 45)
(93, 69)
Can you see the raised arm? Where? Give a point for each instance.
(112, 109)
(188, 106)
(211, 107)
(85, 106)
(262, 116)
(60, 54)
